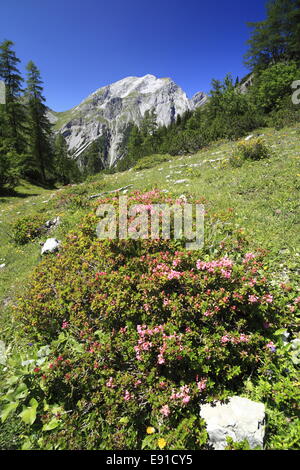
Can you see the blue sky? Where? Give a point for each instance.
(81, 45)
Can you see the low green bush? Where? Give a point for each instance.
(253, 149)
(27, 228)
(140, 333)
(151, 161)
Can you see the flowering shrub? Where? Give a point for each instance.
(254, 149)
(143, 331)
(25, 229)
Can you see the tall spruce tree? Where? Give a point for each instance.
(277, 38)
(39, 127)
(66, 169)
(13, 114)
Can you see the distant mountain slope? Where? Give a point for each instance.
(108, 111)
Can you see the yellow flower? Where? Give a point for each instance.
(150, 430)
(161, 443)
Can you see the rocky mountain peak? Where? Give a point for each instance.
(109, 110)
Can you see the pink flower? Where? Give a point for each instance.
(271, 346)
(127, 395)
(208, 313)
(160, 359)
(225, 339)
(186, 399)
(109, 383)
(65, 325)
(244, 338)
(268, 298)
(162, 385)
(202, 384)
(248, 257)
(165, 410)
(226, 274)
(253, 299)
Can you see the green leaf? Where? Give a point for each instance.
(280, 332)
(6, 410)
(28, 415)
(21, 392)
(146, 442)
(26, 444)
(124, 420)
(51, 425)
(77, 347)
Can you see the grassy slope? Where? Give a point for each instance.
(263, 196)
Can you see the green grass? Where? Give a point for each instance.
(263, 197)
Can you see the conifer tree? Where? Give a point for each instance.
(13, 114)
(66, 169)
(277, 38)
(39, 127)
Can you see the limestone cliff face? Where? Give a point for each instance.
(108, 111)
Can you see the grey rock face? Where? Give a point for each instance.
(199, 99)
(108, 111)
(50, 246)
(239, 419)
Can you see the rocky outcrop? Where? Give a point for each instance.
(240, 418)
(108, 111)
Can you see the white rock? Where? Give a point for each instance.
(295, 343)
(50, 246)
(239, 419)
(249, 137)
(2, 265)
(180, 181)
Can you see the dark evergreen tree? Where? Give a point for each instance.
(13, 115)
(65, 168)
(39, 127)
(277, 38)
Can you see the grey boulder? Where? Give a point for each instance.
(240, 418)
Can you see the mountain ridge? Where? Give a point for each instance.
(109, 110)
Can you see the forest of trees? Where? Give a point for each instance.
(29, 149)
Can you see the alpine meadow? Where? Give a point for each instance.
(117, 334)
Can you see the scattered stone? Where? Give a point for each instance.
(181, 181)
(241, 419)
(53, 223)
(50, 246)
